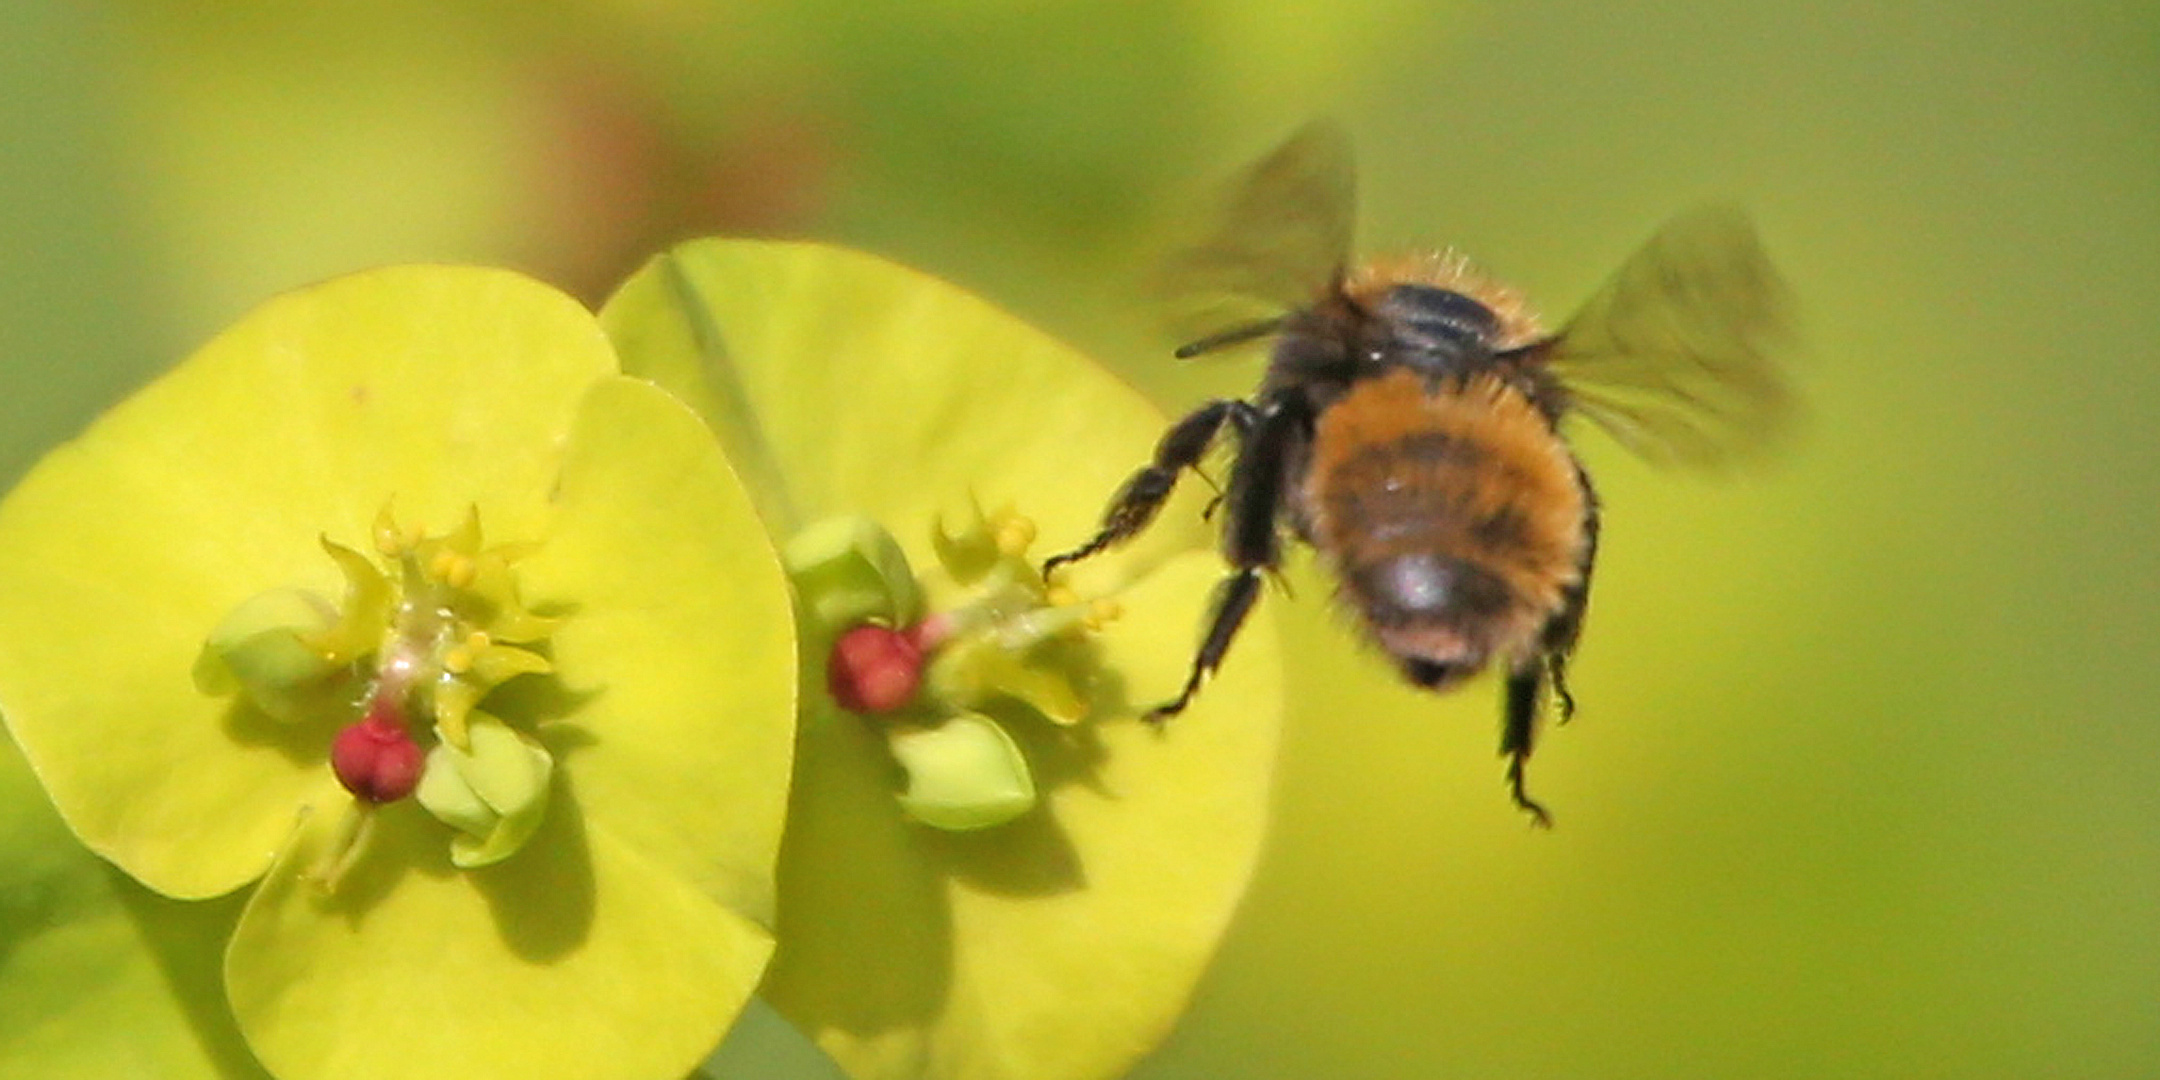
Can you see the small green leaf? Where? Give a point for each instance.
(495, 793)
(265, 650)
(444, 792)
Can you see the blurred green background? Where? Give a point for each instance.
(1866, 781)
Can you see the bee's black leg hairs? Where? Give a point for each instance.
(1274, 433)
(1527, 682)
(1233, 601)
(1558, 641)
(1525, 689)
(1144, 493)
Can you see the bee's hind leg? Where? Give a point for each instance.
(1529, 679)
(1558, 639)
(1518, 733)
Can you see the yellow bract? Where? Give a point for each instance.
(664, 703)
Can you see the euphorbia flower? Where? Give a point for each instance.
(871, 407)
(399, 599)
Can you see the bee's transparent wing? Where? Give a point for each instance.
(1677, 356)
(1281, 231)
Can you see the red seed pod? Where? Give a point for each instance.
(376, 758)
(874, 669)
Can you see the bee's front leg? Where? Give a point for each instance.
(1144, 493)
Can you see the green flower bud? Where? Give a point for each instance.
(849, 570)
(494, 794)
(267, 650)
(966, 773)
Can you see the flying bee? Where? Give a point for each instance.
(1408, 426)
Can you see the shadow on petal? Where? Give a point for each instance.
(869, 899)
(540, 702)
(1031, 855)
(302, 742)
(542, 898)
(1103, 684)
(187, 941)
(401, 840)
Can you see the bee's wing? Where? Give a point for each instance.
(1677, 355)
(1281, 231)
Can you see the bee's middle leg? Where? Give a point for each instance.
(1273, 434)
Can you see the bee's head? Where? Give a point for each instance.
(1439, 321)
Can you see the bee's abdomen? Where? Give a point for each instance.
(1418, 588)
(1456, 509)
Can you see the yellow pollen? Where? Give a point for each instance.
(1014, 534)
(457, 660)
(1102, 612)
(451, 569)
(1060, 596)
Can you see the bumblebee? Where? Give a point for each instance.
(1409, 425)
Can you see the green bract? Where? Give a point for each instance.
(89, 954)
(593, 896)
(1062, 943)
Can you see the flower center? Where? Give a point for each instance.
(928, 675)
(401, 665)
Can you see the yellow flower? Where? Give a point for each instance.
(1062, 943)
(592, 896)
